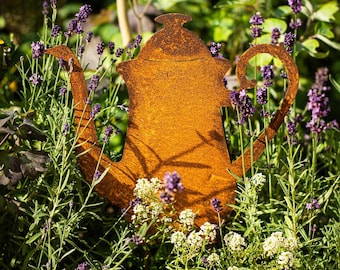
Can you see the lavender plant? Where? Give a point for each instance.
(286, 211)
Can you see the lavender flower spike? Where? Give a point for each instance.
(216, 204)
(172, 182)
(38, 49)
(295, 5)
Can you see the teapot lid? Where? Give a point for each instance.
(174, 42)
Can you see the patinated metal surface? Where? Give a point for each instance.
(175, 90)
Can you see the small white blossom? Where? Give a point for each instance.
(286, 260)
(290, 243)
(234, 241)
(232, 268)
(155, 209)
(178, 239)
(213, 259)
(208, 231)
(194, 240)
(187, 217)
(140, 212)
(272, 244)
(258, 180)
(146, 189)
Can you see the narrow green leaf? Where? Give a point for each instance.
(33, 238)
(334, 83)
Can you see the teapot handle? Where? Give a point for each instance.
(293, 83)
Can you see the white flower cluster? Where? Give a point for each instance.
(233, 268)
(276, 241)
(258, 180)
(273, 243)
(286, 260)
(150, 207)
(234, 241)
(208, 231)
(214, 259)
(146, 189)
(187, 218)
(178, 239)
(194, 240)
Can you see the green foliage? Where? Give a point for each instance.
(286, 214)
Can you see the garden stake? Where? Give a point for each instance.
(176, 91)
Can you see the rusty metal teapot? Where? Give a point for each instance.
(176, 91)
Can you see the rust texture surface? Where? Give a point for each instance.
(176, 91)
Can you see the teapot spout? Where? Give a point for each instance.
(89, 154)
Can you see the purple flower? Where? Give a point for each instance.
(137, 239)
(111, 46)
(66, 128)
(35, 79)
(79, 28)
(313, 229)
(107, 134)
(119, 52)
(275, 36)
(135, 202)
(45, 7)
(334, 124)
(315, 203)
(81, 50)
(89, 36)
(261, 95)
(166, 197)
(100, 47)
(291, 128)
(295, 24)
(38, 49)
(55, 31)
(62, 90)
(267, 74)
(244, 104)
(256, 31)
(61, 62)
(256, 19)
(82, 266)
(53, 3)
(72, 25)
(137, 41)
(172, 182)
(94, 82)
(318, 102)
(96, 175)
(83, 13)
(295, 5)
(216, 204)
(205, 261)
(288, 41)
(88, 101)
(283, 74)
(95, 110)
(309, 206)
(214, 49)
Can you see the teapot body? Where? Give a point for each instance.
(175, 123)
